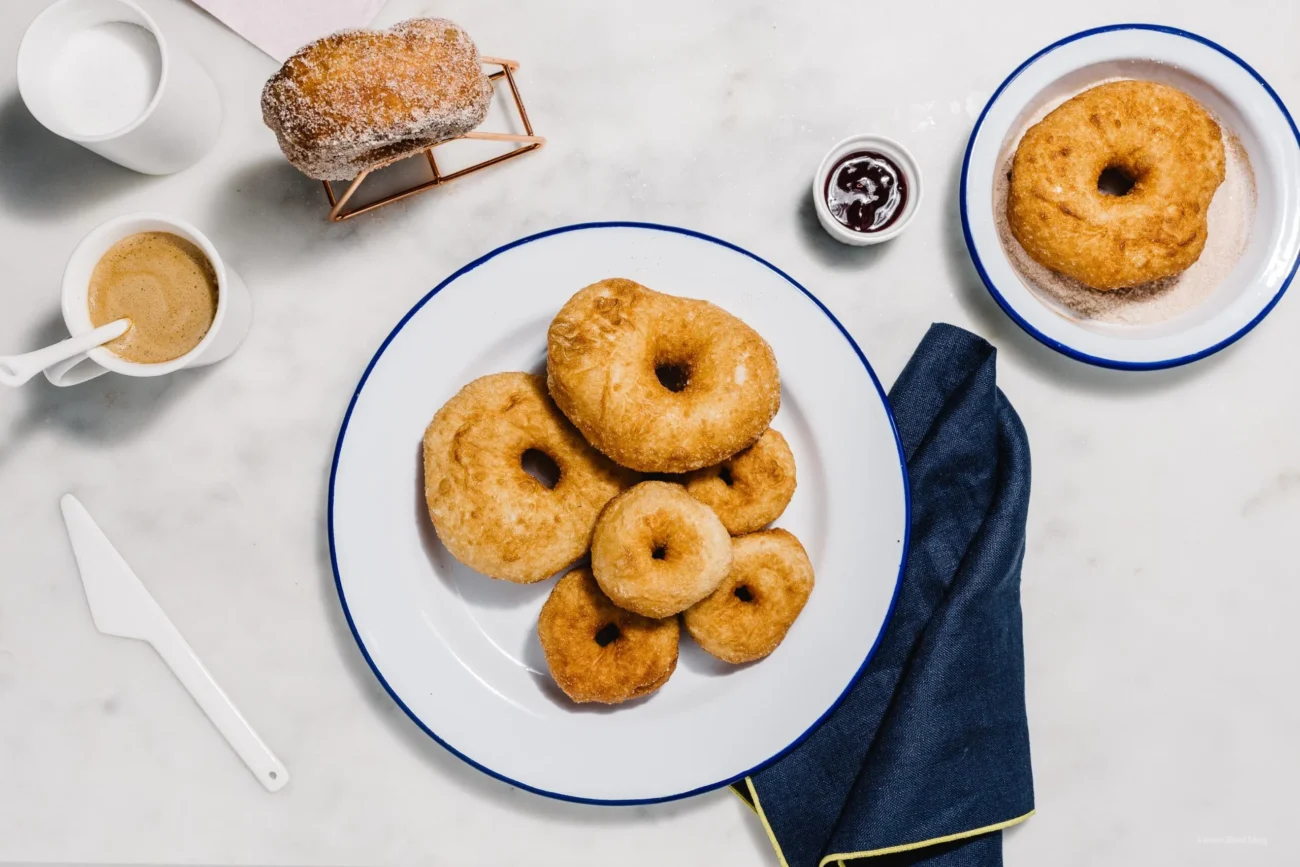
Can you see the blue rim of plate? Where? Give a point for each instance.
(1063, 348)
(902, 464)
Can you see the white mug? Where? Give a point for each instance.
(229, 326)
(100, 73)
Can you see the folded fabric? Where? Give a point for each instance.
(927, 758)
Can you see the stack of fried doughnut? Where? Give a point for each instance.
(654, 411)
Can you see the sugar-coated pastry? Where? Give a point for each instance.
(361, 98)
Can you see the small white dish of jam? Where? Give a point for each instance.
(866, 190)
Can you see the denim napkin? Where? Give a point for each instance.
(927, 758)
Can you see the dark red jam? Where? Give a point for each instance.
(866, 192)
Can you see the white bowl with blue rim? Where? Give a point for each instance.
(1243, 102)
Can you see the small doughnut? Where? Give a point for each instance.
(596, 651)
(494, 516)
(755, 605)
(660, 384)
(657, 550)
(750, 489)
(1155, 136)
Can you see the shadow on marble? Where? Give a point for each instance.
(109, 409)
(271, 217)
(754, 829)
(996, 327)
(47, 177)
(437, 758)
(826, 249)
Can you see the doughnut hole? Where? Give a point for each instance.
(1115, 181)
(1122, 183)
(542, 467)
(673, 375)
(670, 542)
(682, 362)
(607, 634)
(743, 593)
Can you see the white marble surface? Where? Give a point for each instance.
(1160, 587)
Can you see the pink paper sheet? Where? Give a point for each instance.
(281, 27)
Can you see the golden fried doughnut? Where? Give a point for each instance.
(754, 606)
(657, 550)
(1156, 136)
(596, 651)
(659, 383)
(490, 513)
(750, 489)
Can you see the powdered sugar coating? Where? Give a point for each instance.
(361, 98)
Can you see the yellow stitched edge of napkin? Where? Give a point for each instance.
(748, 805)
(841, 857)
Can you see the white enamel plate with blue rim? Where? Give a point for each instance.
(1240, 98)
(459, 651)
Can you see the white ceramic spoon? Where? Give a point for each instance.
(17, 369)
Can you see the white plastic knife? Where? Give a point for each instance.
(120, 605)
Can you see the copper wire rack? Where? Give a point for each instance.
(529, 140)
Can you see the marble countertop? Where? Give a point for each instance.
(1160, 583)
